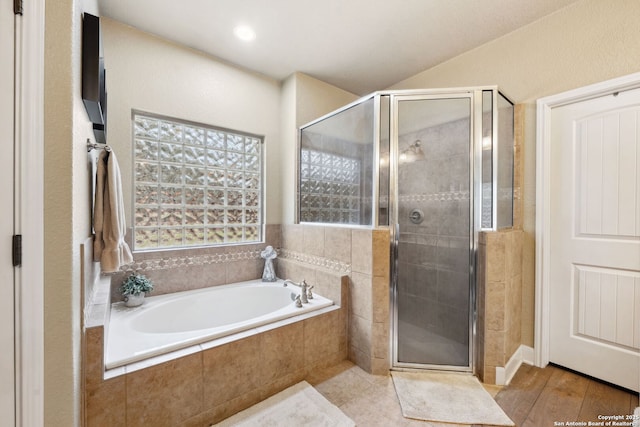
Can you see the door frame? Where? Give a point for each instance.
(543, 196)
(7, 226)
(29, 213)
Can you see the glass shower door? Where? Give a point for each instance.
(434, 236)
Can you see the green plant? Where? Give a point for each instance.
(136, 284)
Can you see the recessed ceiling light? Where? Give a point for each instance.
(244, 33)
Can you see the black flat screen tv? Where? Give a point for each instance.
(94, 93)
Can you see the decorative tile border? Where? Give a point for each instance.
(169, 263)
(316, 261)
(440, 196)
(504, 193)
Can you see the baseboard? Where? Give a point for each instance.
(528, 355)
(524, 354)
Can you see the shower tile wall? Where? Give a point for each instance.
(433, 257)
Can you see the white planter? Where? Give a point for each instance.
(133, 300)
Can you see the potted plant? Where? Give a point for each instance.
(134, 288)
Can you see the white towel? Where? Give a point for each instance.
(109, 223)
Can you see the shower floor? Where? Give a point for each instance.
(418, 345)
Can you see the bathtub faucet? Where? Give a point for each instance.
(305, 290)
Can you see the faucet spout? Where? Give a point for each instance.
(286, 282)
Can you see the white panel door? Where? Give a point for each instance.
(595, 238)
(7, 375)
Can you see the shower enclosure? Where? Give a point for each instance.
(436, 166)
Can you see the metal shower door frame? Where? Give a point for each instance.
(475, 154)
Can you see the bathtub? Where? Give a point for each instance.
(165, 323)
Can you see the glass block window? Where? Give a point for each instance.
(329, 187)
(194, 184)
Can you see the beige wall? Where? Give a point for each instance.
(148, 73)
(66, 209)
(287, 149)
(584, 43)
(304, 99)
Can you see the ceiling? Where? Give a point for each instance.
(358, 45)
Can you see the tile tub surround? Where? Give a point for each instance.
(185, 269)
(319, 252)
(499, 299)
(210, 382)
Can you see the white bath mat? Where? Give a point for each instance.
(299, 405)
(447, 397)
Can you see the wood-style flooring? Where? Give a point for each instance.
(554, 396)
(535, 398)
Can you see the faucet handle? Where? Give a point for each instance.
(309, 293)
(298, 301)
(303, 292)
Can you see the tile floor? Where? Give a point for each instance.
(369, 400)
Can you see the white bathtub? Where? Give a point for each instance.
(170, 322)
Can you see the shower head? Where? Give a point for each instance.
(413, 152)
